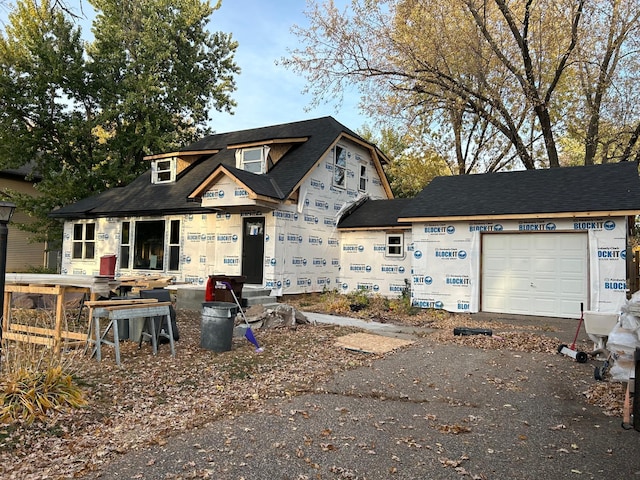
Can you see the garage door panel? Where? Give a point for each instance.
(545, 273)
(495, 283)
(519, 284)
(543, 286)
(545, 266)
(571, 288)
(519, 246)
(571, 266)
(496, 303)
(519, 306)
(570, 309)
(520, 266)
(545, 307)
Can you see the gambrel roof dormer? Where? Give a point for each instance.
(271, 170)
(261, 167)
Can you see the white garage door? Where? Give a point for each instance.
(534, 273)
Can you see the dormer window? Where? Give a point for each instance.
(163, 170)
(253, 159)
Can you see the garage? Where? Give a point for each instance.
(532, 242)
(542, 274)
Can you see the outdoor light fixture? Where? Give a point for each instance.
(6, 212)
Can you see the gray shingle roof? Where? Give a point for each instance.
(140, 197)
(25, 171)
(597, 188)
(376, 214)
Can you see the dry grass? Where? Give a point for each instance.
(151, 398)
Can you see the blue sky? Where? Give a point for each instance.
(266, 94)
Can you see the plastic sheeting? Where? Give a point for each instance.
(624, 339)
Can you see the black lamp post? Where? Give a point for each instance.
(6, 212)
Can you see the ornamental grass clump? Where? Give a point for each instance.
(34, 384)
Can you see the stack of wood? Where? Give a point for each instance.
(135, 283)
(96, 284)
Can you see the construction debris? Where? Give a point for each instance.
(369, 343)
(282, 315)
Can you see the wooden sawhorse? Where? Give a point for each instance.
(115, 310)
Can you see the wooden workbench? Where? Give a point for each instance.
(56, 333)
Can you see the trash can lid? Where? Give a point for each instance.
(220, 305)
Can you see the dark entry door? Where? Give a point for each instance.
(253, 249)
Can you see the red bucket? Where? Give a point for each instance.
(108, 266)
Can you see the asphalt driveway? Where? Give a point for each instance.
(428, 411)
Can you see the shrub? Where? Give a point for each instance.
(34, 383)
(403, 305)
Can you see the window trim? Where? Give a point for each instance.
(363, 178)
(173, 245)
(242, 163)
(337, 168)
(83, 241)
(389, 245)
(158, 174)
(125, 245)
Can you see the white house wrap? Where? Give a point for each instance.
(461, 266)
(306, 207)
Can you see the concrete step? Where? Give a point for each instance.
(193, 297)
(267, 302)
(253, 295)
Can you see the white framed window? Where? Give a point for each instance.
(362, 185)
(174, 245)
(252, 160)
(163, 170)
(394, 245)
(125, 244)
(339, 167)
(84, 241)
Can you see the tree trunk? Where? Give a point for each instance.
(547, 134)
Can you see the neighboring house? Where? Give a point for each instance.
(22, 255)
(263, 203)
(536, 242)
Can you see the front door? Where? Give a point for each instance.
(253, 249)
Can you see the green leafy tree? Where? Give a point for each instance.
(411, 167)
(85, 114)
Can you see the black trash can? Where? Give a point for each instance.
(216, 326)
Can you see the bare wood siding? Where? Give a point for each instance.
(276, 151)
(184, 163)
(21, 255)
